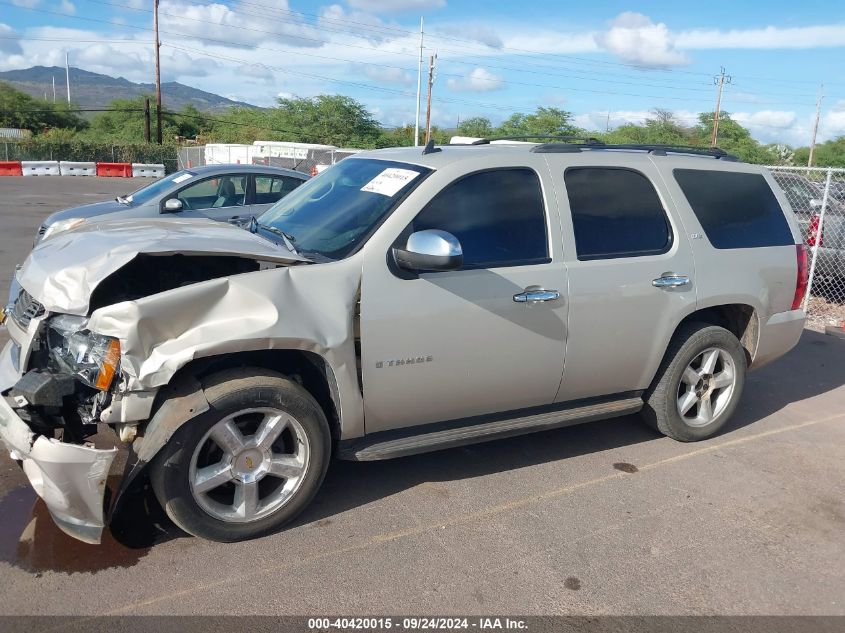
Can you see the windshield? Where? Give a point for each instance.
(152, 191)
(335, 212)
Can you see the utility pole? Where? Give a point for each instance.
(158, 73)
(419, 89)
(720, 81)
(147, 119)
(53, 77)
(67, 77)
(816, 125)
(431, 61)
(607, 123)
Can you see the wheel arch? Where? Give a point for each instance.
(740, 319)
(183, 398)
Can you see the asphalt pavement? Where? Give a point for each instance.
(602, 518)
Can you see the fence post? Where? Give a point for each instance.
(819, 234)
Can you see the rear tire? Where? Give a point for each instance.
(698, 385)
(249, 464)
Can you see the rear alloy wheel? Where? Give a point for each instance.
(249, 464)
(706, 387)
(698, 385)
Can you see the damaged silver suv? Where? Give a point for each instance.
(404, 301)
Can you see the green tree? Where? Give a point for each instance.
(733, 138)
(828, 154)
(19, 110)
(660, 129)
(123, 122)
(543, 122)
(330, 119)
(477, 126)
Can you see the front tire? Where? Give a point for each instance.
(698, 385)
(249, 464)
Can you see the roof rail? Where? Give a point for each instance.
(585, 140)
(657, 150)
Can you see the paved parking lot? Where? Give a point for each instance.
(603, 518)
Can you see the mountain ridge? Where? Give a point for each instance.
(94, 90)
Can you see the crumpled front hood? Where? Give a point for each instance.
(63, 271)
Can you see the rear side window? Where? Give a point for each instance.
(735, 210)
(270, 189)
(498, 216)
(615, 213)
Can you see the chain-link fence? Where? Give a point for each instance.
(297, 156)
(817, 196)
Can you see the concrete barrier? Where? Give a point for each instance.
(10, 168)
(69, 168)
(146, 170)
(40, 167)
(119, 170)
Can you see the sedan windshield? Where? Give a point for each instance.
(152, 191)
(337, 211)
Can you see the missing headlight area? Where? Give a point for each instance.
(147, 275)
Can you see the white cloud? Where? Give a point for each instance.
(66, 6)
(636, 39)
(479, 80)
(833, 123)
(374, 29)
(472, 31)
(9, 46)
(779, 119)
(256, 71)
(246, 28)
(769, 37)
(386, 74)
(396, 6)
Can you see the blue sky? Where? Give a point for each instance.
(607, 62)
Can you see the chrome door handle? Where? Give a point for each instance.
(533, 296)
(670, 280)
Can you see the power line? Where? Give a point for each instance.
(203, 38)
(523, 52)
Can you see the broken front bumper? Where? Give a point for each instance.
(70, 478)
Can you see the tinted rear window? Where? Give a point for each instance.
(735, 210)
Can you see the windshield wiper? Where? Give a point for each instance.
(289, 239)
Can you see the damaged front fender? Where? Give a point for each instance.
(306, 308)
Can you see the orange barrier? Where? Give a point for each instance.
(119, 170)
(10, 168)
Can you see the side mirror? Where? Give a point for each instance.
(173, 205)
(430, 250)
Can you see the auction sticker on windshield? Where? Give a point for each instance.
(183, 178)
(390, 181)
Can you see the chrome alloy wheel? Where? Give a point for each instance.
(249, 464)
(706, 388)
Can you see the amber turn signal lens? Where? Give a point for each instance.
(109, 365)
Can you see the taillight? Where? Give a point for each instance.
(803, 275)
(813, 232)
